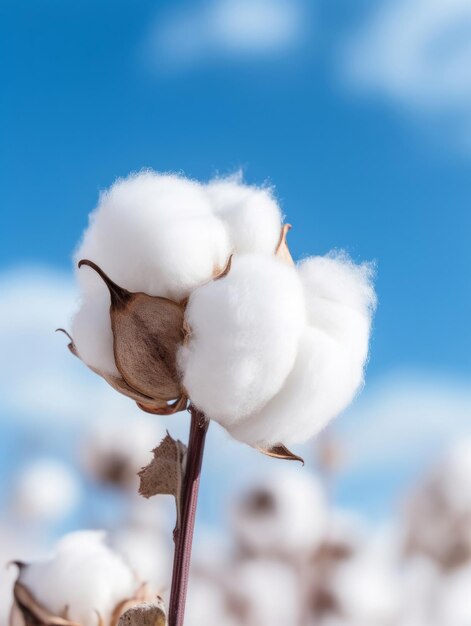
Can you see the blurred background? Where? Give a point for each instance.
(359, 113)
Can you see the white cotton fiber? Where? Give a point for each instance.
(84, 575)
(245, 330)
(340, 300)
(251, 214)
(284, 513)
(91, 325)
(156, 233)
(332, 352)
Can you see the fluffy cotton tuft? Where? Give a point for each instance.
(84, 576)
(251, 214)
(156, 233)
(245, 333)
(285, 513)
(332, 353)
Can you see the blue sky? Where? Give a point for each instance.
(94, 90)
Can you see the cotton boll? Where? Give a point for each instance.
(268, 593)
(438, 515)
(367, 591)
(114, 450)
(207, 603)
(284, 514)
(420, 578)
(453, 477)
(345, 535)
(149, 555)
(245, 330)
(453, 606)
(84, 575)
(45, 491)
(14, 545)
(332, 352)
(251, 214)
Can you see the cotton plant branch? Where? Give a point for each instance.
(191, 299)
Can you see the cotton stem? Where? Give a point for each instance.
(183, 536)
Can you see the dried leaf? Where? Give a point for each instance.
(281, 452)
(147, 332)
(27, 611)
(152, 614)
(282, 250)
(164, 474)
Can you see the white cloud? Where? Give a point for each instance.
(226, 29)
(417, 53)
(405, 420)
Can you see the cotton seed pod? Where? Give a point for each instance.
(284, 514)
(438, 513)
(83, 584)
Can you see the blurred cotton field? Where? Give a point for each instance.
(286, 555)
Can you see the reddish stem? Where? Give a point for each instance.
(183, 535)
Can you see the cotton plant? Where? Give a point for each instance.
(284, 513)
(113, 450)
(82, 583)
(438, 515)
(191, 299)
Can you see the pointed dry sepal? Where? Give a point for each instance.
(27, 611)
(164, 474)
(225, 270)
(147, 331)
(282, 251)
(280, 452)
